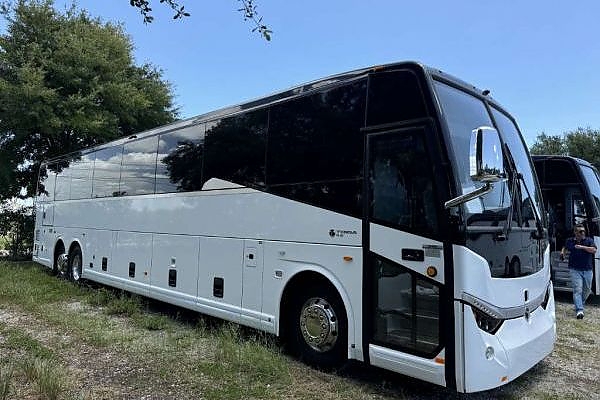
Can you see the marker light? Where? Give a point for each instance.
(431, 271)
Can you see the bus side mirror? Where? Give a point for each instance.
(485, 158)
(485, 163)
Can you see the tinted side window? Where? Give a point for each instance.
(81, 177)
(317, 137)
(180, 157)
(138, 166)
(235, 149)
(107, 168)
(401, 182)
(341, 196)
(531, 197)
(394, 96)
(560, 171)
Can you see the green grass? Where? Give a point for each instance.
(32, 288)
(217, 359)
(47, 376)
(260, 368)
(132, 347)
(19, 341)
(6, 376)
(153, 322)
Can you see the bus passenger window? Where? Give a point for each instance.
(179, 160)
(138, 167)
(107, 170)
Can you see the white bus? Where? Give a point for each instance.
(375, 215)
(571, 192)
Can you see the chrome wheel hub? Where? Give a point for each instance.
(318, 324)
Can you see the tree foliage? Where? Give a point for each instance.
(68, 81)
(16, 229)
(582, 143)
(248, 9)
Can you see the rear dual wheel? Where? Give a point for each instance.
(69, 266)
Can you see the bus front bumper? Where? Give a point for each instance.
(520, 343)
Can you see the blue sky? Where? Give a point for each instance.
(540, 59)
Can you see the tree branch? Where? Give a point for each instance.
(250, 13)
(248, 9)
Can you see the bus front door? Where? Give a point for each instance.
(405, 268)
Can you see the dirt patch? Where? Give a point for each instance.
(108, 372)
(91, 372)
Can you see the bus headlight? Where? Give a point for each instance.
(486, 322)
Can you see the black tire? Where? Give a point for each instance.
(317, 327)
(75, 264)
(61, 263)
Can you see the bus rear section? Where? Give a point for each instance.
(571, 191)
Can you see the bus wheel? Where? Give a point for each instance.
(319, 327)
(62, 265)
(75, 264)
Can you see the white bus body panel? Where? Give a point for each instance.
(388, 243)
(212, 234)
(221, 258)
(407, 364)
(285, 260)
(137, 248)
(179, 253)
(237, 213)
(519, 344)
(252, 283)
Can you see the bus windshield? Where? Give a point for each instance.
(511, 211)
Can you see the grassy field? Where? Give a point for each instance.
(62, 341)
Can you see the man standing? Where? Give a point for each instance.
(581, 258)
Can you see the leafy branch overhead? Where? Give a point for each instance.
(248, 9)
(250, 13)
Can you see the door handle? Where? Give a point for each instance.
(413, 255)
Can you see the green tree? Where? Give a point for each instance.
(16, 229)
(68, 81)
(582, 143)
(546, 144)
